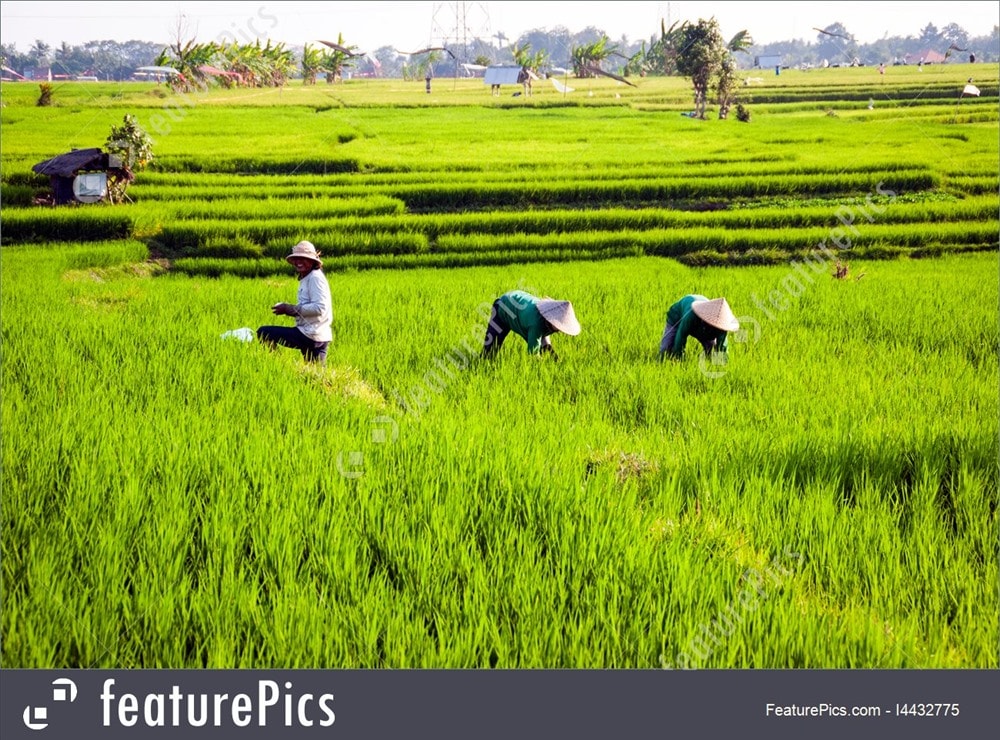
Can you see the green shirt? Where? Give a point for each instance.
(689, 324)
(519, 312)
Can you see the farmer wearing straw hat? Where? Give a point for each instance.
(533, 319)
(313, 313)
(696, 316)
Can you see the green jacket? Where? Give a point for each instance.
(518, 311)
(690, 325)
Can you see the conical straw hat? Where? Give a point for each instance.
(716, 313)
(560, 315)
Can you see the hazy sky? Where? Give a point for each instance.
(411, 25)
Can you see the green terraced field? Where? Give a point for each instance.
(826, 499)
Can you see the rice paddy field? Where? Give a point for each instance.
(826, 498)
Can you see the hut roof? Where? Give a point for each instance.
(67, 165)
(929, 56)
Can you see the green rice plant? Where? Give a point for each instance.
(772, 242)
(245, 166)
(585, 193)
(715, 258)
(269, 208)
(273, 237)
(849, 496)
(230, 248)
(16, 195)
(526, 242)
(345, 242)
(209, 267)
(213, 267)
(696, 166)
(28, 179)
(102, 255)
(483, 195)
(82, 255)
(974, 185)
(82, 223)
(832, 215)
(939, 250)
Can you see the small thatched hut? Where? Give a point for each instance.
(81, 175)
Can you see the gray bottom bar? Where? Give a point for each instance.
(497, 704)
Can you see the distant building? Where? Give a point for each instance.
(927, 57)
(38, 74)
(767, 61)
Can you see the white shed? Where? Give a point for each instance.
(767, 61)
(502, 74)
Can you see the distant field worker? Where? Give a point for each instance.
(533, 319)
(313, 311)
(695, 316)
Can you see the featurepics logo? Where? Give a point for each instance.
(270, 706)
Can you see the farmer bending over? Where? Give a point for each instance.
(533, 319)
(696, 316)
(313, 313)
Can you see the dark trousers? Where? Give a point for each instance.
(290, 336)
(496, 331)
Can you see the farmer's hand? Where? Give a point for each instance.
(283, 309)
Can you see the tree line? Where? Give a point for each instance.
(259, 64)
(106, 60)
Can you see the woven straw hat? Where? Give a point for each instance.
(716, 313)
(307, 250)
(560, 315)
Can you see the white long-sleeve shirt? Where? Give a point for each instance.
(314, 310)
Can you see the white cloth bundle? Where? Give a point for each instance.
(244, 334)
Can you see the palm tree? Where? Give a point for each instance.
(62, 56)
(39, 51)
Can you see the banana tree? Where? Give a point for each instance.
(188, 58)
(591, 55)
(312, 64)
(133, 146)
(726, 83)
(337, 59)
(638, 63)
(279, 63)
(539, 60)
(521, 54)
(662, 55)
(239, 60)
